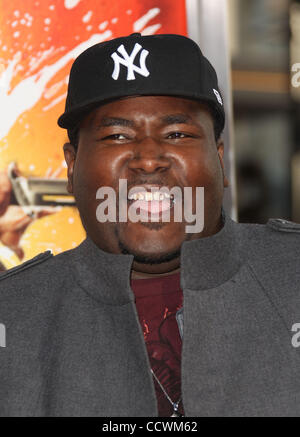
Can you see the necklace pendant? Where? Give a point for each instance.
(175, 414)
(175, 408)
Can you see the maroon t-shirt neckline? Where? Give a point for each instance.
(158, 285)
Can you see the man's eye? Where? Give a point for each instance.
(115, 137)
(176, 135)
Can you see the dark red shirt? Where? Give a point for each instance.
(157, 302)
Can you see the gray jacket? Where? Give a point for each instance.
(74, 346)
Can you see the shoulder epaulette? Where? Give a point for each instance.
(283, 225)
(27, 264)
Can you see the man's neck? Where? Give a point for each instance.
(142, 275)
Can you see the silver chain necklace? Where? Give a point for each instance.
(175, 405)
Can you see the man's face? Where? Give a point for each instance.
(151, 141)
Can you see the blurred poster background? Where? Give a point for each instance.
(39, 40)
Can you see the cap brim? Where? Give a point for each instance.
(71, 119)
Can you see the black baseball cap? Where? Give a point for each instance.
(136, 65)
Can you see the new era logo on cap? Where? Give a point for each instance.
(218, 96)
(128, 62)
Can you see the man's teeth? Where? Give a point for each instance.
(149, 196)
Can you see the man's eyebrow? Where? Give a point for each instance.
(177, 119)
(114, 121)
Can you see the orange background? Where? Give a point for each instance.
(39, 41)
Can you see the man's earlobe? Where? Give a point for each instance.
(226, 181)
(70, 156)
(220, 147)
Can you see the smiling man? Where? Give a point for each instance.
(168, 307)
(170, 143)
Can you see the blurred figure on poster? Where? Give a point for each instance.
(14, 219)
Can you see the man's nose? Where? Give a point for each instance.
(149, 157)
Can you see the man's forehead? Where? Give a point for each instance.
(164, 109)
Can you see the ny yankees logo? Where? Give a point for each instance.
(128, 61)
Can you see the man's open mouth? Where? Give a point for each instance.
(152, 202)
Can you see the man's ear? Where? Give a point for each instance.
(220, 147)
(70, 156)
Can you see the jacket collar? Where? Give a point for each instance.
(209, 262)
(205, 263)
(103, 275)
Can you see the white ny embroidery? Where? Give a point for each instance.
(128, 61)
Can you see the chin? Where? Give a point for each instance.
(151, 237)
(152, 232)
(150, 250)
